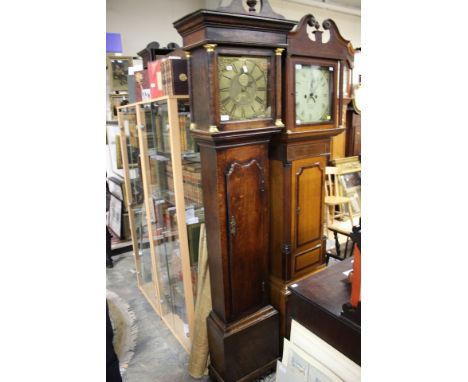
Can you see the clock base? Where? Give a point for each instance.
(245, 349)
(279, 294)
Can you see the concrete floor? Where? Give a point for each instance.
(158, 355)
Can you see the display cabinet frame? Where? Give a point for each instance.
(152, 291)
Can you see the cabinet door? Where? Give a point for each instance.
(307, 195)
(247, 233)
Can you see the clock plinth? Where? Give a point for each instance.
(239, 351)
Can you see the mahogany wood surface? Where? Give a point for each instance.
(316, 303)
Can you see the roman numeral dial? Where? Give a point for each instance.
(243, 87)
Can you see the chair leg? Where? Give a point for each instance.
(337, 244)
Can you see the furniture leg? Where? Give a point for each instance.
(337, 244)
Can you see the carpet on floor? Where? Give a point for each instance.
(125, 329)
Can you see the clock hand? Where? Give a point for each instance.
(313, 86)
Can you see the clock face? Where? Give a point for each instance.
(243, 88)
(313, 86)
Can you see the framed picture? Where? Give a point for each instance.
(351, 184)
(116, 187)
(117, 67)
(304, 366)
(115, 100)
(307, 351)
(115, 216)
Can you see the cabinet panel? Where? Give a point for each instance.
(307, 199)
(305, 260)
(246, 219)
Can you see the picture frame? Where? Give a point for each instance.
(304, 366)
(114, 102)
(351, 185)
(117, 68)
(319, 354)
(115, 216)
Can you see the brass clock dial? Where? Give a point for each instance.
(243, 85)
(313, 95)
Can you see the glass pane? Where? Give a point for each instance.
(137, 210)
(143, 244)
(314, 93)
(164, 220)
(191, 175)
(133, 154)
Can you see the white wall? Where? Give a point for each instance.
(143, 21)
(348, 25)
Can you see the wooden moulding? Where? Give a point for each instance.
(204, 26)
(336, 48)
(227, 139)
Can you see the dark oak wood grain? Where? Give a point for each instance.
(243, 328)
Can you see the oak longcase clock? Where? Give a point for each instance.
(314, 83)
(235, 78)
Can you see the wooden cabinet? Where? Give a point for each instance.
(297, 202)
(316, 302)
(353, 130)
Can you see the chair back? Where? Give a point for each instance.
(331, 185)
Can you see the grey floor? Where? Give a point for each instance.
(158, 355)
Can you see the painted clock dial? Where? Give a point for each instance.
(243, 88)
(313, 95)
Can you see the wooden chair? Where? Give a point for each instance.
(352, 237)
(334, 199)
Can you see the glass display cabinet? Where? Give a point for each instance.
(163, 186)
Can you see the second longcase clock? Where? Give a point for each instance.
(315, 74)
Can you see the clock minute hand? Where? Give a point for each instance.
(312, 89)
